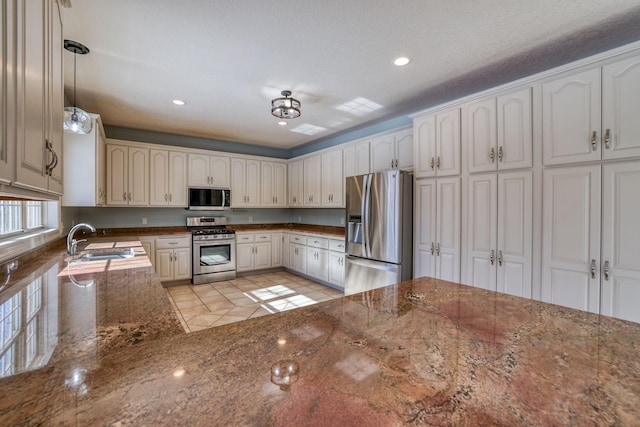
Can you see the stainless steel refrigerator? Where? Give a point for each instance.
(379, 235)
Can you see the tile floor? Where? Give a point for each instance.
(215, 304)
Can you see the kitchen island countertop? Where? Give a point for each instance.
(424, 352)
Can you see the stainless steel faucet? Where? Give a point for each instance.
(72, 244)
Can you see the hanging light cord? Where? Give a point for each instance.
(74, 81)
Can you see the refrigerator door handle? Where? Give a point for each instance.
(366, 212)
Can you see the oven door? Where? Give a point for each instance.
(213, 256)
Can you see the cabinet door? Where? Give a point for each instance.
(199, 170)
(8, 93)
(244, 257)
(220, 171)
(404, 149)
(481, 135)
(571, 118)
(181, 263)
(280, 183)
(238, 182)
(356, 159)
(424, 130)
(295, 183)
(267, 194)
(515, 233)
(31, 157)
(424, 264)
(448, 229)
(164, 264)
(482, 218)
(312, 181)
(138, 176)
(253, 183)
(336, 268)
(159, 169)
(262, 255)
(382, 153)
(571, 200)
(56, 99)
(620, 106)
(332, 178)
(177, 183)
(620, 245)
(117, 168)
(515, 132)
(448, 143)
(277, 241)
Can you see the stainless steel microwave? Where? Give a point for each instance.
(209, 199)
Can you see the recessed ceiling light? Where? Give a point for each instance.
(403, 60)
(282, 123)
(178, 102)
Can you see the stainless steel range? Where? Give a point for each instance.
(213, 250)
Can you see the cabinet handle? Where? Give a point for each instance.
(607, 138)
(391, 163)
(492, 155)
(594, 137)
(276, 199)
(433, 248)
(605, 270)
(166, 198)
(437, 249)
(500, 154)
(593, 268)
(500, 258)
(54, 158)
(492, 257)
(438, 162)
(396, 163)
(170, 197)
(432, 163)
(129, 196)
(124, 196)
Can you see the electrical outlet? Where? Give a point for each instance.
(144, 221)
(342, 221)
(299, 219)
(250, 219)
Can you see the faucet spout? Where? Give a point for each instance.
(73, 243)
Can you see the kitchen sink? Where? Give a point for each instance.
(106, 255)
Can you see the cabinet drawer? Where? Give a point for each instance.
(318, 242)
(171, 242)
(336, 245)
(296, 238)
(263, 237)
(245, 237)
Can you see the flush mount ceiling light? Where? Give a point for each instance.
(286, 107)
(403, 60)
(178, 102)
(75, 119)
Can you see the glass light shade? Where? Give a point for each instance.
(285, 108)
(77, 121)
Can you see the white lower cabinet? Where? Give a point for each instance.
(149, 246)
(499, 218)
(298, 257)
(173, 257)
(336, 263)
(277, 246)
(437, 229)
(318, 258)
(253, 251)
(580, 270)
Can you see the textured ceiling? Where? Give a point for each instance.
(228, 59)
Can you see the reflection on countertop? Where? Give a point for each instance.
(424, 352)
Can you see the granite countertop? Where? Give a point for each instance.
(424, 352)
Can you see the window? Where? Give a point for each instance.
(17, 216)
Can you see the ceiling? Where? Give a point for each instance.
(228, 59)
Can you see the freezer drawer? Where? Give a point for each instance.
(363, 275)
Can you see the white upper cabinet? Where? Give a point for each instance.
(571, 118)
(573, 109)
(273, 184)
(296, 178)
(332, 178)
(499, 133)
(620, 107)
(437, 144)
(245, 183)
(209, 171)
(127, 175)
(168, 178)
(312, 185)
(392, 151)
(356, 159)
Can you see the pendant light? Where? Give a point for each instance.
(75, 119)
(286, 107)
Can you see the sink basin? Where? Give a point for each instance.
(105, 254)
